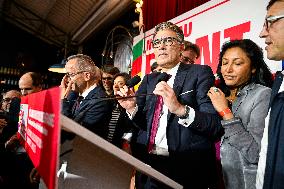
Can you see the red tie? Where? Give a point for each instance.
(155, 122)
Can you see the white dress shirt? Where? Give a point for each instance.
(161, 145)
(86, 92)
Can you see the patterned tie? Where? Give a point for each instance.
(76, 105)
(155, 122)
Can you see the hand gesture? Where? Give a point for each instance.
(219, 101)
(169, 98)
(66, 86)
(128, 104)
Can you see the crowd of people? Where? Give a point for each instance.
(176, 130)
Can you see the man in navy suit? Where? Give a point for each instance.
(188, 125)
(82, 80)
(270, 171)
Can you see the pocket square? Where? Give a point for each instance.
(186, 92)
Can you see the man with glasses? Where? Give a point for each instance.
(82, 80)
(21, 167)
(270, 173)
(180, 142)
(191, 53)
(8, 129)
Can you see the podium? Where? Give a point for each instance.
(96, 163)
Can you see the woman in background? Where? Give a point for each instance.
(242, 101)
(119, 123)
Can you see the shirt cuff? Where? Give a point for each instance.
(189, 119)
(131, 115)
(127, 136)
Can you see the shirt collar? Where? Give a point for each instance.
(173, 71)
(86, 92)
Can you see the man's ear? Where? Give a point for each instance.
(182, 47)
(87, 76)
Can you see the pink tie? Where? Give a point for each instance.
(155, 122)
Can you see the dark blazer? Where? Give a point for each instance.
(274, 170)
(193, 146)
(206, 126)
(93, 113)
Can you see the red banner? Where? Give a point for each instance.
(39, 128)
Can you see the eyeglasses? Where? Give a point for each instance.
(186, 59)
(168, 41)
(7, 100)
(270, 20)
(107, 78)
(73, 74)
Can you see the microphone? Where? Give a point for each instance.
(163, 77)
(136, 79)
(133, 81)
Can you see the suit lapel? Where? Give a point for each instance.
(276, 85)
(86, 101)
(179, 81)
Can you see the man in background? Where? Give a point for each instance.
(9, 115)
(81, 92)
(30, 82)
(270, 171)
(191, 53)
(21, 167)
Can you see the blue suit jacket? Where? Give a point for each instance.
(274, 171)
(206, 126)
(94, 114)
(191, 149)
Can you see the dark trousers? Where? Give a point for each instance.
(193, 171)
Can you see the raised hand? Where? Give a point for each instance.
(128, 104)
(169, 98)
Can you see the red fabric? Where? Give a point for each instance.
(157, 11)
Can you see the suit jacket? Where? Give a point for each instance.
(206, 126)
(274, 169)
(192, 148)
(94, 114)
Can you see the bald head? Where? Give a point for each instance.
(30, 82)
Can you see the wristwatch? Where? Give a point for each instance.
(185, 115)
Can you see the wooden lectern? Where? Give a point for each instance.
(94, 163)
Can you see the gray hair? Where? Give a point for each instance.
(85, 63)
(169, 26)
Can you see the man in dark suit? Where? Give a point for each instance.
(82, 81)
(270, 171)
(188, 125)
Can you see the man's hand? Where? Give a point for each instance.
(13, 143)
(66, 86)
(128, 104)
(169, 98)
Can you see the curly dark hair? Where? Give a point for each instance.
(262, 75)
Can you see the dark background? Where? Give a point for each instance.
(20, 49)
